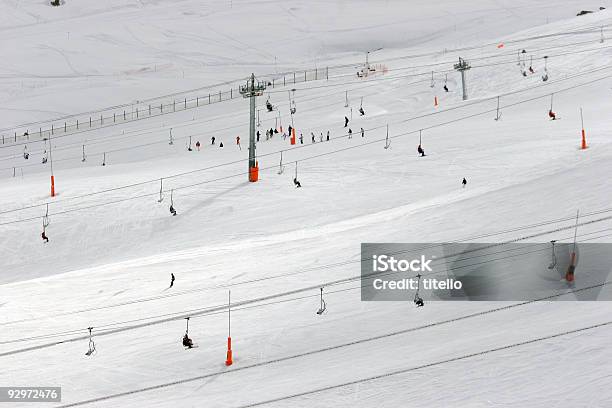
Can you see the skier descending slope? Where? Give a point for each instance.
(464, 182)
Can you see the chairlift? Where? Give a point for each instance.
(295, 180)
(553, 261)
(418, 301)
(281, 167)
(172, 209)
(387, 141)
(545, 75)
(269, 106)
(171, 142)
(84, 157)
(45, 157)
(187, 342)
(92, 345)
(323, 307)
(189, 146)
(161, 190)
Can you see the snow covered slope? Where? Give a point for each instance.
(113, 245)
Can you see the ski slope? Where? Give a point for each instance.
(113, 245)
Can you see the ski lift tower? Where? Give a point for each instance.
(252, 90)
(463, 66)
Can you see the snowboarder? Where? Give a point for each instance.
(172, 279)
(464, 182)
(172, 210)
(238, 142)
(362, 132)
(212, 140)
(198, 145)
(350, 133)
(421, 151)
(187, 342)
(301, 139)
(296, 182)
(361, 111)
(552, 115)
(44, 237)
(346, 121)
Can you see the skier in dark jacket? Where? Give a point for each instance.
(464, 182)
(44, 237)
(346, 121)
(552, 115)
(212, 140)
(172, 279)
(421, 151)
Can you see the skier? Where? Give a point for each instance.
(350, 133)
(361, 111)
(328, 135)
(172, 210)
(172, 279)
(212, 140)
(258, 135)
(269, 106)
(44, 236)
(271, 132)
(346, 121)
(198, 145)
(552, 115)
(296, 182)
(313, 137)
(221, 144)
(238, 142)
(445, 88)
(187, 342)
(301, 139)
(464, 182)
(531, 70)
(362, 132)
(289, 130)
(421, 151)
(321, 137)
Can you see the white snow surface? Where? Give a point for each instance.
(108, 266)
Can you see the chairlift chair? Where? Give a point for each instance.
(323, 307)
(553, 261)
(92, 345)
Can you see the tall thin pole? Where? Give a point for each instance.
(576, 230)
(229, 314)
(252, 127)
(51, 160)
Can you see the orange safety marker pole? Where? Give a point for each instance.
(52, 186)
(583, 145)
(292, 136)
(435, 101)
(229, 358)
